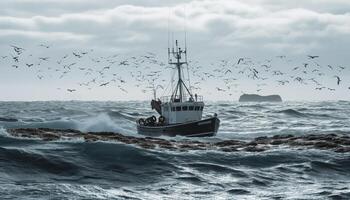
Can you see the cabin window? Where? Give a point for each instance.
(184, 108)
(196, 108)
(178, 108)
(190, 108)
(172, 108)
(201, 108)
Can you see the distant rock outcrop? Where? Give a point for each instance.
(259, 98)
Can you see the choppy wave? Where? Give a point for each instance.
(36, 169)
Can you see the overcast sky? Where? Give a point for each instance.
(217, 29)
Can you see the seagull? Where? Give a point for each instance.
(104, 84)
(29, 65)
(71, 90)
(240, 60)
(338, 79)
(15, 58)
(220, 90)
(18, 50)
(44, 58)
(313, 57)
(125, 62)
(320, 88)
(76, 55)
(341, 68)
(227, 71)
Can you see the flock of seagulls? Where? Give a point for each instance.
(145, 71)
(264, 73)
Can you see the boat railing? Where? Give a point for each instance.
(194, 98)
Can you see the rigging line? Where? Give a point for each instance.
(189, 80)
(172, 80)
(169, 28)
(185, 34)
(185, 30)
(172, 32)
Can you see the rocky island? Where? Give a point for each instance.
(259, 98)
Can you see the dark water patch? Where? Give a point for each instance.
(279, 123)
(269, 160)
(8, 119)
(33, 120)
(238, 191)
(255, 106)
(330, 109)
(293, 113)
(124, 164)
(17, 142)
(325, 167)
(344, 163)
(231, 117)
(235, 112)
(340, 196)
(191, 179)
(302, 109)
(324, 193)
(34, 161)
(324, 116)
(211, 167)
(293, 169)
(224, 105)
(262, 183)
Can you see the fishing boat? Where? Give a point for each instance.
(181, 112)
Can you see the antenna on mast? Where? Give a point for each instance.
(185, 31)
(178, 56)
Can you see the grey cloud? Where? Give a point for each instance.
(221, 27)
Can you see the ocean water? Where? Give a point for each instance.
(74, 169)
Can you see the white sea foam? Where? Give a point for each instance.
(100, 123)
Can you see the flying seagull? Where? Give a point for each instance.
(313, 57)
(104, 84)
(71, 90)
(338, 79)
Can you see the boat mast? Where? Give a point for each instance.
(177, 53)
